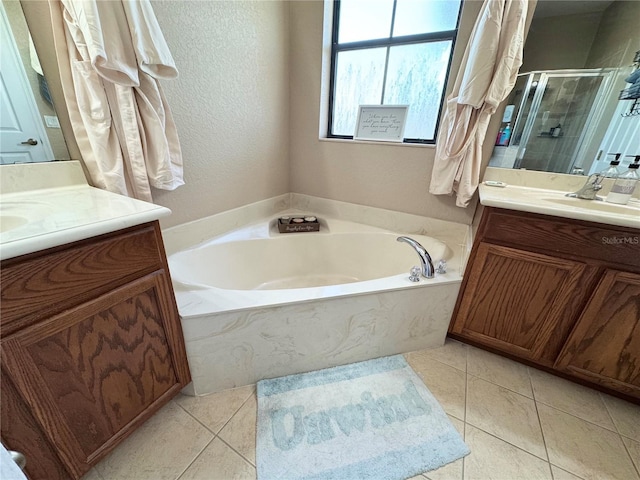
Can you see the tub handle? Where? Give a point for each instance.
(441, 267)
(414, 273)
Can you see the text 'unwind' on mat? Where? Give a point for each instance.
(324, 425)
(368, 420)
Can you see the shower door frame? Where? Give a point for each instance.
(595, 113)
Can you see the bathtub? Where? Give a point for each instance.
(256, 303)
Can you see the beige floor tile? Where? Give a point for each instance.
(240, 432)
(216, 409)
(583, 448)
(161, 449)
(451, 471)
(559, 474)
(499, 370)
(453, 353)
(494, 459)
(92, 475)
(626, 416)
(505, 414)
(633, 448)
(446, 383)
(570, 397)
(219, 462)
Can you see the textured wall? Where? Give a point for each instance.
(560, 42)
(230, 103)
(618, 36)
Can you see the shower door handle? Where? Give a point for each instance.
(31, 142)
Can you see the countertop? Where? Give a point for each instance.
(36, 219)
(555, 203)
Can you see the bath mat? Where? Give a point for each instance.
(368, 420)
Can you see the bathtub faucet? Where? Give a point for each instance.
(425, 258)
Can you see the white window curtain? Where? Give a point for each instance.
(487, 75)
(111, 55)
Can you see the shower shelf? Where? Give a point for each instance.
(631, 93)
(634, 110)
(547, 135)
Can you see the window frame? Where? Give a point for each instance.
(387, 42)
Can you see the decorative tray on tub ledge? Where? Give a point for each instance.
(298, 224)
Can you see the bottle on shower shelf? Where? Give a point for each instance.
(499, 136)
(506, 134)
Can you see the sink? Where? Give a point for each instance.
(555, 203)
(17, 214)
(9, 222)
(600, 206)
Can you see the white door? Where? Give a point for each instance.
(623, 136)
(23, 138)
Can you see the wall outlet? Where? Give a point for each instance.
(51, 121)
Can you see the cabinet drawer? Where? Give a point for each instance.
(562, 236)
(51, 281)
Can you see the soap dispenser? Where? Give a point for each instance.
(625, 184)
(612, 171)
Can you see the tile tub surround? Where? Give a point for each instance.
(238, 347)
(193, 233)
(228, 350)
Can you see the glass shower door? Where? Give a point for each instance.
(563, 107)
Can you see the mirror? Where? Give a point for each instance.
(29, 128)
(565, 113)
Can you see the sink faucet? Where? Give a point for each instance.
(425, 258)
(589, 189)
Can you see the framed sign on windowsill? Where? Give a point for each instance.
(382, 123)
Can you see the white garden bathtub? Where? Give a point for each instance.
(258, 266)
(256, 303)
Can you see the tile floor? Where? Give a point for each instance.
(519, 423)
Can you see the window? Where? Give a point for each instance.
(391, 52)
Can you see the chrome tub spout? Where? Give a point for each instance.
(425, 258)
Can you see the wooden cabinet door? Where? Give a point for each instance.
(520, 302)
(604, 346)
(93, 373)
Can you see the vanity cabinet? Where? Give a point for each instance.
(91, 347)
(558, 293)
(516, 301)
(604, 346)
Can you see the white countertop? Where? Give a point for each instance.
(555, 203)
(38, 219)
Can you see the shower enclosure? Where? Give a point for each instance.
(554, 114)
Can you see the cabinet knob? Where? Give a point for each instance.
(19, 458)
